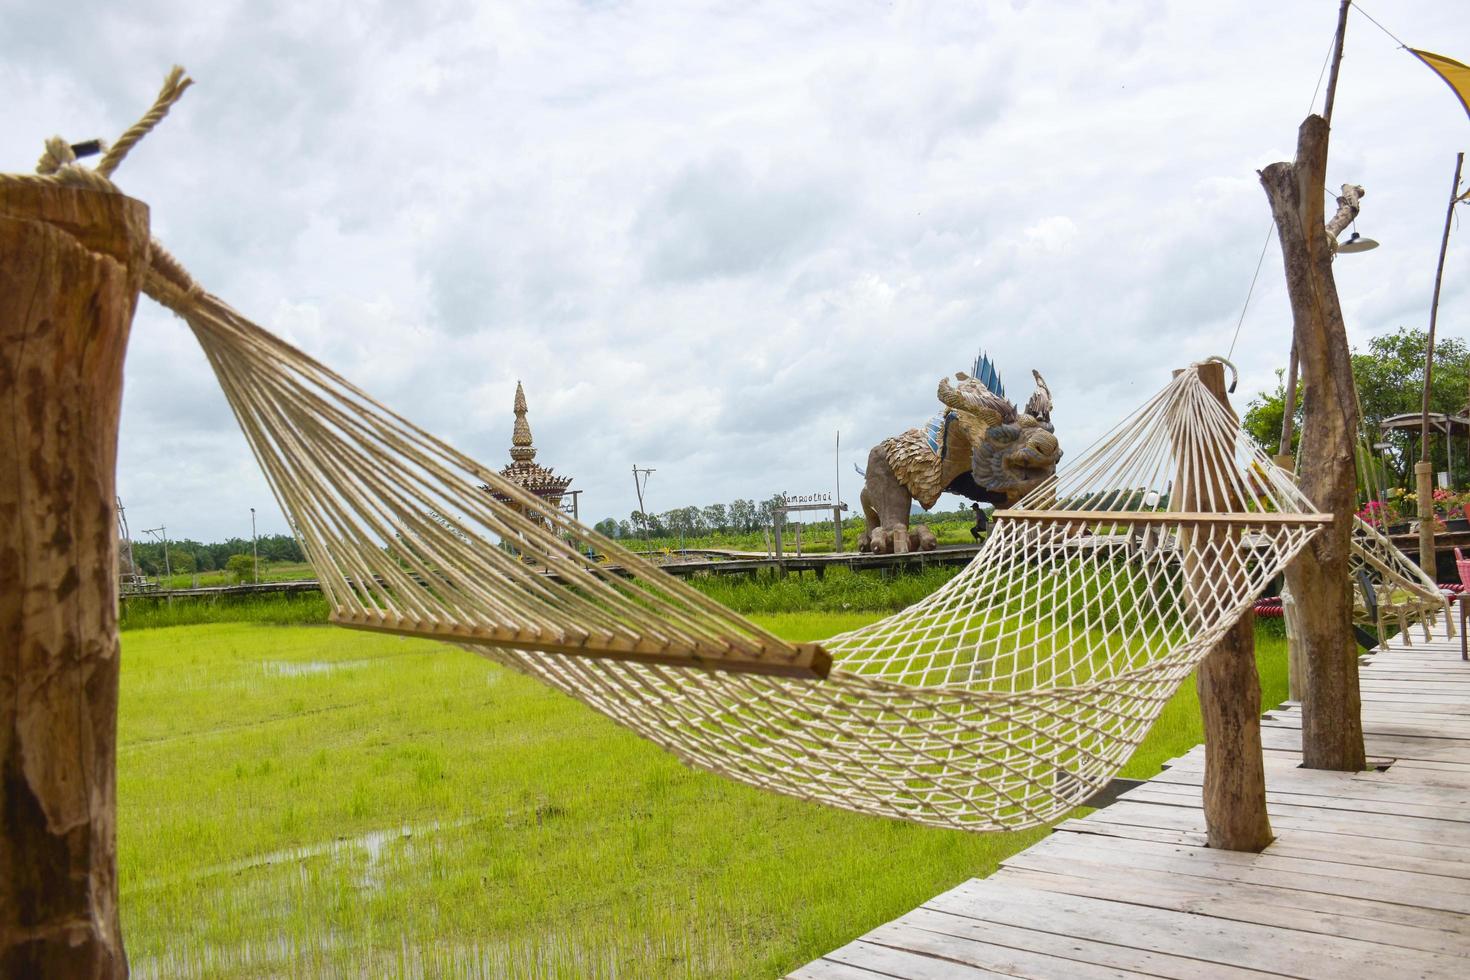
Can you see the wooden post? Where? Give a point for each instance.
(1229, 695)
(1285, 458)
(1332, 729)
(1424, 492)
(71, 263)
(1423, 471)
(837, 529)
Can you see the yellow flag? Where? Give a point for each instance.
(1456, 75)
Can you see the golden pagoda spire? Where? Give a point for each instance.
(521, 449)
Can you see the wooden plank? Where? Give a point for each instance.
(1362, 787)
(1246, 945)
(1175, 794)
(735, 655)
(1266, 868)
(1309, 844)
(1296, 842)
(825, 969)
(1285, 907)
(1395, 747)
(1064, 956)
(939, 939)
(1396, 724)
(902, 963)
(1289, 818)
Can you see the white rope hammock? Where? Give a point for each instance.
(1001, 701)
(1405, 592)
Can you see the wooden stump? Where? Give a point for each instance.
(71, 263)
(1332, 727)
(1229, 687)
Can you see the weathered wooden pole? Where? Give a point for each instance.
(71, 262)
(1332, 730)
(1423, 470)
(1228, 685)
(1285, 458)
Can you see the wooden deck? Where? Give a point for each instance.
(1369, 875)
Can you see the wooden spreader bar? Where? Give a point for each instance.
(1157, 517)
(802, 660)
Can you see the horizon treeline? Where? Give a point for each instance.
(186, 555)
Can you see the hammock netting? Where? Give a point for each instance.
(1001, 701)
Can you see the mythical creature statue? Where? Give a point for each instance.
(979, 447)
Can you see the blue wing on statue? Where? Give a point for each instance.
(984, 372)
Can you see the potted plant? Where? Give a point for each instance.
(1399, 509)
(1457, 512)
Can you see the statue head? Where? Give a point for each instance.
(1011, 452)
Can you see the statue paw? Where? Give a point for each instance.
(922, 539)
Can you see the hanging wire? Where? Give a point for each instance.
(1260, 260)
(1372, 20)
(1271, 225)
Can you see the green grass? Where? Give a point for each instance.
(816, 537)
(144, 612)
(267, 775)
(285, 571)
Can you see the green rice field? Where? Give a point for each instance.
(300, 800)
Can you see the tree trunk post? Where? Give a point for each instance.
(71, 263)
(1332, 728)
(1229, 689)
(1424, 491)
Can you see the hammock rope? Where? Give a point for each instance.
(1001, 701)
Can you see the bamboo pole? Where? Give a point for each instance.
(1337, 43)
(71, 263)
(1423, 470)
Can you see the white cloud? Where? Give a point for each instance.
(707, 236)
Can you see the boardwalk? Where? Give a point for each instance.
(1369, 875)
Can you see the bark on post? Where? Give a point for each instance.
(1332, 731)
(1229, 694)
(71, 262)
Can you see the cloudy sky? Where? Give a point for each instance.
(708, 237)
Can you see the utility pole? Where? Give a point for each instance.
(161, 533)
(254, 548)
(640, 482)
(122, 524)
(837, 489)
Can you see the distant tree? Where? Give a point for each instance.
(1390, 381)
(742, 515)
(625, 530)
(767, 510)
(1263, 414)
(241, 568)
(607, 527)
(715, 518)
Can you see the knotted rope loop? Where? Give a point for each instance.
(169, 283)
(173, 90)
(58, 154)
